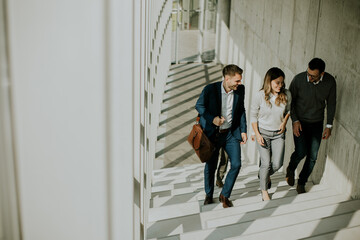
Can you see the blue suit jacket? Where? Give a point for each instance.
(209, 106)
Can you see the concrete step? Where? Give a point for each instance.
(351, 233)
(165, 171)
(241, 197)
(253, 211)
(183, 181)
(243, 184)
(170, 219)
(194, 176)
(328, 226)
(178, 172)
(279, 225)
(177, 210)
(196, 193)
(243, 213)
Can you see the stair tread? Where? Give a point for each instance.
(178, 212)
(351, 233)
(276, 222)
(233, 215)
(239, 191)
(173, 211)
(183, 187)
(180, 172)
(254, 211)
(308, 229)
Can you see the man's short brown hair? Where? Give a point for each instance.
(231, 70)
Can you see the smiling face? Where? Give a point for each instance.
(232, 82)
(314, 75)
(276, 85)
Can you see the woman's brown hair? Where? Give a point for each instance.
(272, 74)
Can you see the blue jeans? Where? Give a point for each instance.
(307, 144)
(232, 148)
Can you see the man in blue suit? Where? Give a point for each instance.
(223, 119)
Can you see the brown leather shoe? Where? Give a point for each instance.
(208, 200)
(219, 183)
(300, 189)
(225, 201)
(290, 177)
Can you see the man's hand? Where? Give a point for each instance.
(244, 138)
(218, 121)
(297, 128)
(326, 133)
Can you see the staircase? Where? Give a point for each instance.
(177, 210)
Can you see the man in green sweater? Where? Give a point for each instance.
(311, 91)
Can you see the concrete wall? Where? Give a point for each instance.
(288, 34)
(222, 31)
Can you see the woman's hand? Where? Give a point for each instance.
(282, 128)
(260, 139)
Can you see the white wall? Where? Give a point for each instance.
(222, 31)
(83, 94)
(57, 65)
(9, 218)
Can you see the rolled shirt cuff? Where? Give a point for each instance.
(329, 126)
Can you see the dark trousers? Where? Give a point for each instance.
(232, 148)
(307, 144)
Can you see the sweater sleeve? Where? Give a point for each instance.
(288, 103)
(255, 108)
(331, 104)
(293, 91)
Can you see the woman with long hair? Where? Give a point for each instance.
(268, 116)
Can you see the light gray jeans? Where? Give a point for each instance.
(271, 155)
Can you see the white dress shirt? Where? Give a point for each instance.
(227, 100)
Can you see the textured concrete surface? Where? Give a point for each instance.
(288, 34)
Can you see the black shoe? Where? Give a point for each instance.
(300, 189)
(219, 183)
(269, 184)
(208, 200)
(290, 177)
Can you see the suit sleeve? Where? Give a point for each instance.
(243, 125)
(202, 105)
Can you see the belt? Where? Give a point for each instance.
(224, 130)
